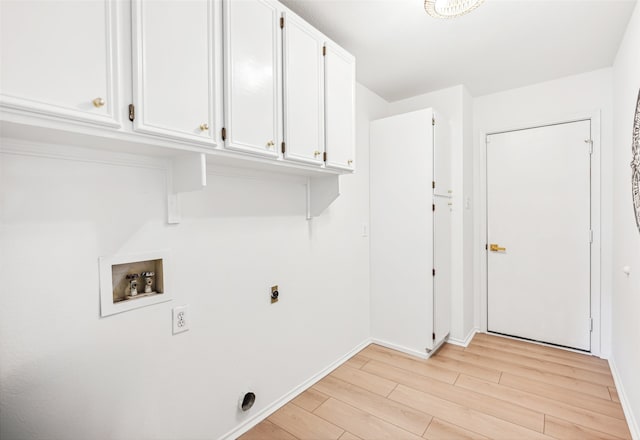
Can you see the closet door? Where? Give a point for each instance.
(303, 91)
(252, 82)
(173, 62)
(340, 102)
(58, 59)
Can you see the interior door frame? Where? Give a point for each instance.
(594, 117)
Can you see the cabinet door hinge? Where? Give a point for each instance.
(433, 207)
(284, 148)
(324, 156)
(324, 51)
(281, 22)
(590, 324)
(132, 112)
(590, 143)
(433, 336)
(590, 235)
(223, 133)
(433, 184)
(434, 272)
(486, 247)
(433, 120)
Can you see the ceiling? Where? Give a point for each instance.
(403, 52)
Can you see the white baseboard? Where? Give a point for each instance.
(266, 412)
(464, 342)
(392, 346)
(626, 406)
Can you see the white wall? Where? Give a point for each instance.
(542, 103)
(468, 249)
(626, 239)
(66, 373)
(455, 104)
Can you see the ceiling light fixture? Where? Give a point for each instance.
(450, 8)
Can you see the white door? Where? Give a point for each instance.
(58, 59)
(303, 91)
(538, 229)
(252, 82)
(173, 61)
(339, 107)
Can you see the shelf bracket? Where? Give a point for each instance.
(321, 192)
(186, 173)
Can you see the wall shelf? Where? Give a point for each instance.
(186, 168)
(54, 131)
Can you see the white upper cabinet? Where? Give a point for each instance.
(340, 101)
(303, 73)
(252, 82)
(59, 59)
(228, 78)
(174, 68)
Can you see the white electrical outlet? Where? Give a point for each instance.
(180, 319)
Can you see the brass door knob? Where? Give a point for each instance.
(204, 127)
(350, 162)
(98, 102)
(496, 248)
(270, 144)
(316, 153)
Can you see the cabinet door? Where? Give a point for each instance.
(252, 82)
(173, 65)
(340, 101)
(58, 59)
(441, 155)
(303, 91)
(442, 265)
(401, 231)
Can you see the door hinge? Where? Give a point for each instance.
(433, 184)
(433, 207)
(223, 133)
(434, 272)
(132, 112)
(433, 120)
(590, 235)
(324, 156)
(486, 247)
(590, 142)
(283, 147)
(433, 336)
(281, 22)
(324, 51)
(590, 324)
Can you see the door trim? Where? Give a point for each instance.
(594, 117)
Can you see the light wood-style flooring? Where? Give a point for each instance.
(496, 388)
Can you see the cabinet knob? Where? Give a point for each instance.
(316, 153)
(204, 127)
(270, 144)
(350, 162)
(98, 102)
